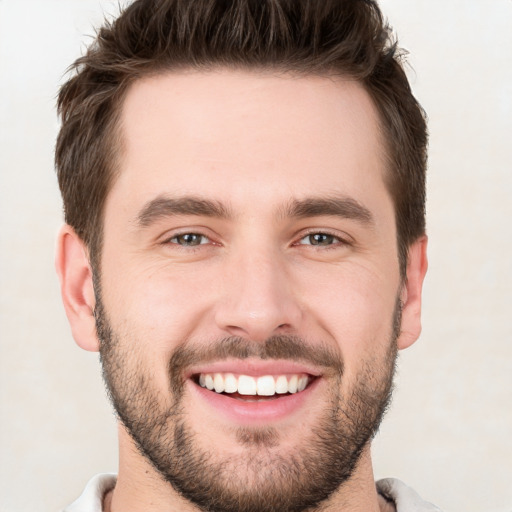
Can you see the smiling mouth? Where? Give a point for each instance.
(249, 388)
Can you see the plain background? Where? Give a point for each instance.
(448, 432)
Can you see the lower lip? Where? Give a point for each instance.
(253, 413)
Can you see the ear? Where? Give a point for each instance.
(411, 293)
(75, 275)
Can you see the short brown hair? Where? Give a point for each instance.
(311, 37)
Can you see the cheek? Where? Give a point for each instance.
(151, 314)
(159, 302)
(353, 305)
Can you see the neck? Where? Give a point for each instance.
(140, 488)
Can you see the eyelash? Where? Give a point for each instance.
(185, 246)
(336, 243)
(337, 240)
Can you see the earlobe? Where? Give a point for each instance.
(76, 283)
(411, 293)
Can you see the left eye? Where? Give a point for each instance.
(321, 239)
(189, 239)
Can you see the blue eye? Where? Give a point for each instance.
(189, 239)
(319, 239)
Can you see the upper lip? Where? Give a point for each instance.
(255, 367)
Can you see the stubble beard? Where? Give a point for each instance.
(265, 478)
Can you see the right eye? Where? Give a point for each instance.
(189, 239)
(319, 239)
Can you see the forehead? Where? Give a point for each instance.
(231, 133)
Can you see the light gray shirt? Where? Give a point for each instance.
(404, 498)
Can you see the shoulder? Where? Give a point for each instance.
(91, 498)
(405, 498)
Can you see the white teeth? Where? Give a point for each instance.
(208, 382)
(230, 383)
(281, 385)
(292, 384)
(247, 385)
(218, 383)
(266, 385)
(303, 382)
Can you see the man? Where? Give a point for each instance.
(244, 190)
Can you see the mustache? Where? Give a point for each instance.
(293, 348)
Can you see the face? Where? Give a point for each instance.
(248, 305)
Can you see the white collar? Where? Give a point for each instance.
(405, 499)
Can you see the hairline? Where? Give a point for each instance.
(115, 142)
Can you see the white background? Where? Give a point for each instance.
(448, 433)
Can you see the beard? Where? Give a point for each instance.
(265, 478)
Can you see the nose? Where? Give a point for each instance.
(258, 298)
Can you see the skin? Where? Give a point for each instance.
(251, 142)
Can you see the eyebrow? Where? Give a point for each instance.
(162, 207)
(344, 207)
